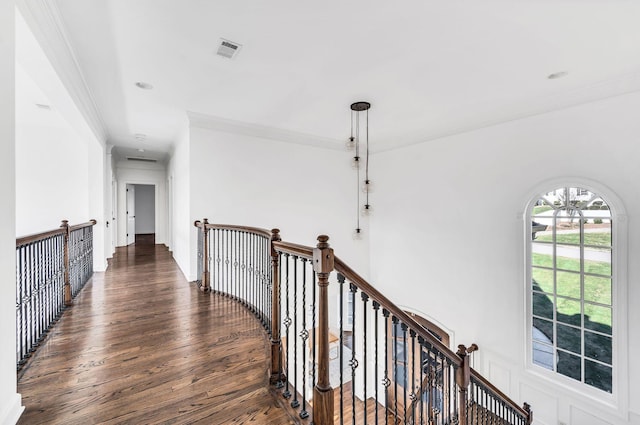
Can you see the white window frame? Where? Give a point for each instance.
(616, 402)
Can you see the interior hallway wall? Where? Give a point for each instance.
(10, 400)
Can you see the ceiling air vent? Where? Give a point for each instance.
(228, 49)
(142, 159)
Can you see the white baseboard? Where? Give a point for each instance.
(11, 410)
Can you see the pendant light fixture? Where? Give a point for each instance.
(357, 109)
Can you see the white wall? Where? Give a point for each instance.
(182, 230)
(145, 209)
(10, 400)
(132, 172)
(304, 191)
(448, 234)
(51, 163)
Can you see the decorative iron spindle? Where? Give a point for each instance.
(304, 335)
(353, 362)
(295, 402)
(287, 322)
(365, 299)
(386, 382)
(376, 310)
(341, 349)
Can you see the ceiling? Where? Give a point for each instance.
(429, 68)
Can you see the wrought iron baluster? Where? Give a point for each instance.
(295, 403)
(314, 327)
(353, 362)
(406, 372)
(413, 397)
(287, 323)
(376, 310)
(341, 348)
(304, 335)
(423, 362)
(395, 322)
(386, 382)
(365, 300)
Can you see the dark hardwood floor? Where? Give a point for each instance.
(142, 346)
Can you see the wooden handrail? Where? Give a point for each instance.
(294, 249)
(89, 223)
(499, 393)
(375, 295)
(24, 240)
(255, 230)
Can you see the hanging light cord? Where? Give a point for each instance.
(358, 172)
(366, 176)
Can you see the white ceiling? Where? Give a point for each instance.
(429, 68)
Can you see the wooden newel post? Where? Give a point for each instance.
(323, 261)
(206, 278)
(527, 408)
(463, 377)
(67, 279)
(276, 343)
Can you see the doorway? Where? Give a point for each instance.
(141, 213)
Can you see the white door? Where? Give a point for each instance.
(131, 214)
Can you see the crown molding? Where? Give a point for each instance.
(45, 21)
(256, 130)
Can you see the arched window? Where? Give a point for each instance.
(571, 297)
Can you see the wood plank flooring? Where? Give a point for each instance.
(142, 346)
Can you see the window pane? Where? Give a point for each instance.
(597, 347)
(542, 280)
(569, 365)
(569, 311)
(542, 305)
(568, 263)
(597, 318)
(598, 233)
(568, 284)
(572, 285)
(597, 289)
(598, 376)
(597, 261)
(542, 330)
(541, 255)
(570, 338)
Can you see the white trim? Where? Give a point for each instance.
(618, 402)
(256, 130)
(45, 21)
(12, 410)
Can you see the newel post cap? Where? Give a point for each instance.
(65, 223)
(323, 260)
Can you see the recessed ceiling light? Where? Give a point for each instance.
(141, 150)
(43, 106)
(557, 75)
(140, 137)
(143, 85)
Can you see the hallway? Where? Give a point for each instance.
(141, 345)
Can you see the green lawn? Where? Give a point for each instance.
(597, 289)
(539, 209)
(590, 238)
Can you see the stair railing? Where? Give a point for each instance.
(342, 352)
(51, 268)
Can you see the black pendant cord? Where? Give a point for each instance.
(358, 230)
(366, 173)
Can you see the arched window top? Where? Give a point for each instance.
(571, 297)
